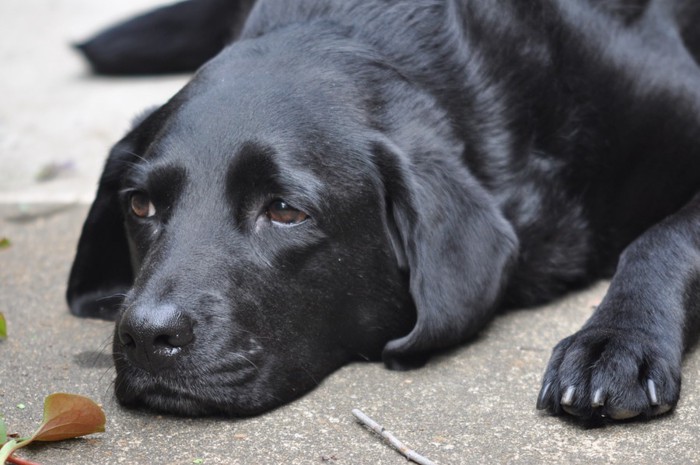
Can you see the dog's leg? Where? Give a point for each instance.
(626, 360)
(172, 39)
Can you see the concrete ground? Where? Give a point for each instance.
(474, 405)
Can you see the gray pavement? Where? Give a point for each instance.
(473, 405)
(52, 111)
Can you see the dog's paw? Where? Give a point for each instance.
(618, 374)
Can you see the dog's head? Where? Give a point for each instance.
(262, 232)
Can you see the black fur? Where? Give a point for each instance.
(449, 158)
(172, 39)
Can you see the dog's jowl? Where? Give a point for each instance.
(350, 180)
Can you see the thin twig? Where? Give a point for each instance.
(18, 461)
(398, 445)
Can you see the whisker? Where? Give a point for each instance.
(138, 156)
(247, 360)
(310, 375)
(255, 336)
(107, 297)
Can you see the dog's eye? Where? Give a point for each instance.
(281, 212)
(141, 205)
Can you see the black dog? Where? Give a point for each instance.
(359, 179)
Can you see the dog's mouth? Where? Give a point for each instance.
(181, 397)
(196, 388)
(236, 395)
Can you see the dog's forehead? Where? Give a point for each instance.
(248, 92)
(214, 122)
(227, 154)
(262, 116)
(220, 115)
(210, 143)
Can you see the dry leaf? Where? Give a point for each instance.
(69, 416)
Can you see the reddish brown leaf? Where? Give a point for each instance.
(69, 416)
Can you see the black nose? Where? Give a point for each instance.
(154, 336)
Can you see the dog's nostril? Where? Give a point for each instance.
(179, 338)
(126, 339)
(162, 346)
(176, 340)
(178, 335)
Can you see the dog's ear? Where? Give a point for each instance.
(102, 270)
(457, 247)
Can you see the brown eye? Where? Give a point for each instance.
(281, 212)
(141, 205)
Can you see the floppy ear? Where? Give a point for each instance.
(102, 271)
(457, 246)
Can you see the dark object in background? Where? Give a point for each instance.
(172, 39)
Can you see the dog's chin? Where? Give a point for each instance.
(157, 402)
(238, 394)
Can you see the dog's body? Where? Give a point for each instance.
(366, 179)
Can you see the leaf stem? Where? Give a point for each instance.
(3, 431)
(19, 461)
(7, 449)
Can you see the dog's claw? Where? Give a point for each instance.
(543, 398)
(568, 398)
(598, 398)
(567, 401)
(651, 389)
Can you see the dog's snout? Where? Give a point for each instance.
(154, 336)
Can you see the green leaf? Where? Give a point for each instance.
(4, 243)
(3, 327)
(8, 449)
(3, 431)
